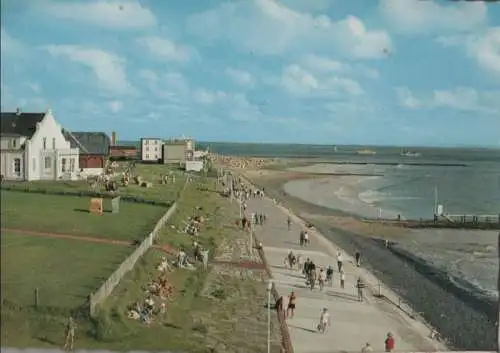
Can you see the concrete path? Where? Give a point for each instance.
(353, 323)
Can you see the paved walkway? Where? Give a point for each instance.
(353, 323)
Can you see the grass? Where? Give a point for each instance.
(69, 215)
(188, 324)
(65, 273)
(148, 172)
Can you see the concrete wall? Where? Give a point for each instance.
(174, 153)
(8, 163)
(151, 149)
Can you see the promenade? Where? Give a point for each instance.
(352, 323)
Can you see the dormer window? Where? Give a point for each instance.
(14, 143)
(44, 143)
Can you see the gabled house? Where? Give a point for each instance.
(33, 147)
(94, 149)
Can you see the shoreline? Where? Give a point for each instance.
(476, 331)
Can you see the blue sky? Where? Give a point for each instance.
(402, 72)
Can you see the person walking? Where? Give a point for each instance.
(357, 256)
(360, 285)
(289, 223)
(70, 335)
(389, 343)
(313, 276)
(321, 279)
(306, 238)
(342, 279)
(291, 305)
(285, 302)
(329, 275)
(324, 320)
(340, 260)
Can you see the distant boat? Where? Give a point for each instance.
(406, 153)
(366, 151)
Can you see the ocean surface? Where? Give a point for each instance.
(466, 181)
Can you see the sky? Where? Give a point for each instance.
(367, 72)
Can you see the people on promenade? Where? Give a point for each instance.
(389, 343)
(306, 238)
(340, 260)
(342, 279)
(324, 320)
(329, 275)
(284, 305)
(367, 348)
(360, 285)
(321, 279)
(301, 238)
(291, 304)
(357, 256)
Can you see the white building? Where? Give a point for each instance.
(151, 149)
(33, 147)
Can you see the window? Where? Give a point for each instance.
(48, 162)
(156, 142)
(147, 156)
(72, 164)
(147, 142)
(14, 143)
(54, 143)
(156, 149)
(147, 148)
(44, 143)
(17, 167)
(64, 165)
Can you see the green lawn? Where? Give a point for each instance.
(65, 273)
(148, 172)
(69, 215)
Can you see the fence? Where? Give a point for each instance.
(107, 287)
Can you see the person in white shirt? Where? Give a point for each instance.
(342, 279)
(322, 279)
(306, 238)
(340, 260)
(324, 320)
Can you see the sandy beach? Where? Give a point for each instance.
(330, 201)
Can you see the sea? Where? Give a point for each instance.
(462, 180)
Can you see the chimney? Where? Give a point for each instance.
(18, 111)
(113, 138)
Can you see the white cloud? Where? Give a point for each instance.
(148, 75)
(165, 49)
(115, 106)
(484, 48)
(107, 67)
(9, 45)
(320, 64)
(301, 82)
(465, 99)
(411, 16)
(204, 96)
(111, 14)
(34, 86)
(406, 98)
(240, 77)
(268, 28)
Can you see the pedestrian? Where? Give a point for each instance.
(291, 305)
(339, 261)
(306, 238)
(367, 348)
(342, 279)
(360, 285)
(321, 279)
(357, 255)
(329, 275)
(389, 343)
(284, 305)
(70, 335)
(324, 320)
(301, 238)
(289, 223)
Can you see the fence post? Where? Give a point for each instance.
(36, 298)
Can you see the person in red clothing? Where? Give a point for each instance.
(389, 343)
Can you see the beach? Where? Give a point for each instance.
(455, 297)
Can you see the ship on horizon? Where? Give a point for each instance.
(406, 153)
(366, 151)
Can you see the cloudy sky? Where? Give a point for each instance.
(402, 72)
